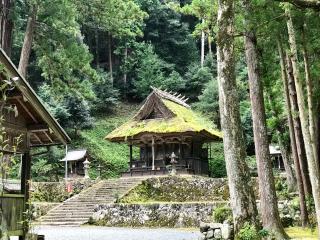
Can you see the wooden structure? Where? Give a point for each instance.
(35, 127)
(165, 124)
(276, 158)
(75, 160)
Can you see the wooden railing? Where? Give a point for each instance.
(13, 208)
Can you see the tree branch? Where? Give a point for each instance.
(313, 4)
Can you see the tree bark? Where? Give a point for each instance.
(242, 199)
(6, 25)
(297, 130)
(202, 46)
(209, 43)
(291, 180)
(303, 206)
(27, 43)
(313, 163)
(110, 56)
(309, 86)
(125, 72)
(268, 199)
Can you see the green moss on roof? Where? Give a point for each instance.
(185, 121)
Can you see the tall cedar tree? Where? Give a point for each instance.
(242, 199)
(269, 208)
(6, 25)
(293, 141)
(306, 124)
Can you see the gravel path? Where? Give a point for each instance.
(106, 233)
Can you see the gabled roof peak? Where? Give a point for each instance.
(175, 97)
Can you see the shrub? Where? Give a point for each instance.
(250, 232)
(222, 214)
(217, 164)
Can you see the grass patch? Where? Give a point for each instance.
(301, 233)
(113, 157)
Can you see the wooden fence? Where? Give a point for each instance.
(13, 208)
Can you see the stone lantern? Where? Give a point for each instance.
(86, 167)
(173, 162)
(99, 171)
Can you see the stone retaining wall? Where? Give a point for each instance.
(173, 214)
(56, 191)
(154, 215)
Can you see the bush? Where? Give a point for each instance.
(222, 214)
(250, 232)
(217, 164)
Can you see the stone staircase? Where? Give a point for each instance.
(78, 209)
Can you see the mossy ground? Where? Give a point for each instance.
(113, 157)
(301, 233)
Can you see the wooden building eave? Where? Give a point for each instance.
(28, 95)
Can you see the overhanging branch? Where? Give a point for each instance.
(313, 4)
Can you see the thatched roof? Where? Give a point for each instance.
(164, 113)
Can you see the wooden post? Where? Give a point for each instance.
(130, 157)
(25, 184)
(153, 154)
(147, 155)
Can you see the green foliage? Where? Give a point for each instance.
(250, 232)
(113, 157)
(217, 164)
(121, 18)
(209, 101)
(153, 71)
(169, 34)
(221, 214)
(196, 79)
(50, 192)
(64, 60)
(79, 113)
(56, 106)
(106, 95)
(47, 167)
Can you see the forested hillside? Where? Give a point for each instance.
(87, 60)
(250, 67)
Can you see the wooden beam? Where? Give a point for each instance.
(37, 137)
(47, 135)
(9, 125)
(37, 128)
(27, 110)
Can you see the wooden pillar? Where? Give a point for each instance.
(153, 153)
(130, 157)
(147, 155)
(25, 184)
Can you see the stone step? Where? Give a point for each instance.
(78, 209)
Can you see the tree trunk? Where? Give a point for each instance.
(309, 86)
(291, 180)
(313, 163)
(96, 36)
(110, 56)
(268, 199)
(297, 130)
(27, 43)
(242, 199)
(202, 45)
(303, 206)
(6, 25)
(209, 43)
(125, 70)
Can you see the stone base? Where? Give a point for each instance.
(212, 231)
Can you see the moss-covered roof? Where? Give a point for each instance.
(184, 120)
